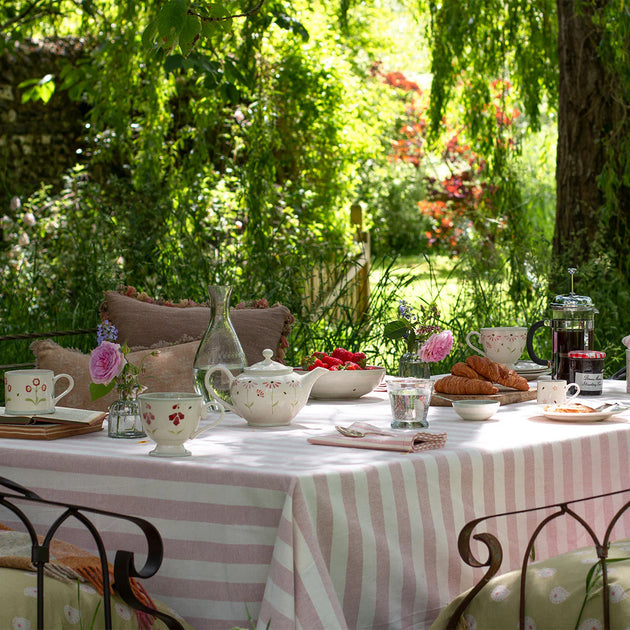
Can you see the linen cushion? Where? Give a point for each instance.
(555, 593)
(67, 604)
(166, 369)
(146, 323)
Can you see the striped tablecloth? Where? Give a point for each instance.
(259, 522)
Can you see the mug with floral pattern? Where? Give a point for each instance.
(28, 392)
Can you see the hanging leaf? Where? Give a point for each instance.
(170, 21)
(189, 34)
(149, 34)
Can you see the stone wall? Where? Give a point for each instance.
(38, 142)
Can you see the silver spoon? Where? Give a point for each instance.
(354, 433)
(611, 406)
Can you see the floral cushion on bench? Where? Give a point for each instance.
(67, 605)
(559, 595)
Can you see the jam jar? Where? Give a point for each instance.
(586, 368)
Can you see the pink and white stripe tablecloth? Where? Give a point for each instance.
(259, 522)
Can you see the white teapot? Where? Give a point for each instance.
(268, 393)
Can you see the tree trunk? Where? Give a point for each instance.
(584, 119)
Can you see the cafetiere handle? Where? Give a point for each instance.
(530, 343)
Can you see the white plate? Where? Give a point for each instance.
(582, 417)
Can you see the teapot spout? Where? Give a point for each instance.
(307, 380)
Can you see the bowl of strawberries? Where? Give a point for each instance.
(348, 376)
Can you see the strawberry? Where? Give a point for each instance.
(350, 365)
(360, 359)
(331, 361)
(343, 354)
(317, 363)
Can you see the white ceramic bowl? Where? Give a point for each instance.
(346, 383)
(476, 409)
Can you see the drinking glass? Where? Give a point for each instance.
(410, 399)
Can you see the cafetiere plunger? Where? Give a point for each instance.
(572, 323)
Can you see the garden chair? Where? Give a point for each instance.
(82, 574)
(576, 589)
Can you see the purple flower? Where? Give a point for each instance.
(436, 347)
(106, 362)
(106, 332)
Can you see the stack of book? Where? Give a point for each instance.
(64, 422)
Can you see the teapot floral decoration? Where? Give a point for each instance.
(266, 394)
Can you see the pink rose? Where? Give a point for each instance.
(106, 362)
(436, 347)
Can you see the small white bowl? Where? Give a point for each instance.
(476, 409)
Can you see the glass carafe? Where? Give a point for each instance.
(219, 346)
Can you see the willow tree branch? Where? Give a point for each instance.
(24, 15)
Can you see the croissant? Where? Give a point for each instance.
(484, 366)
(462, 385)
(510, 378)
(462, 369)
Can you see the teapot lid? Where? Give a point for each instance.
(572, 301)
(267, 367)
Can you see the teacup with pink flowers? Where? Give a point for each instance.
(172, 418)
(29, 392)
(503, 344)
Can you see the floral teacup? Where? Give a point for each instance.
(502, 345)
(171, 418)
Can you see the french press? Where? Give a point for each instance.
(572, 322)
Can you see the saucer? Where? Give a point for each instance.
(530, 370)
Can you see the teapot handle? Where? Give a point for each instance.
(530, 343)
(210, 389)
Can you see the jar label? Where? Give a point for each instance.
(589, 382)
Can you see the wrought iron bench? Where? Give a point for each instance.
(17, 499)
(5, 339)
(589, 567)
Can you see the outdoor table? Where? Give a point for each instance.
(259, 522)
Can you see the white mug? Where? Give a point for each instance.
(554, 392)
(27, 392)
(503, 344)
(171, 418)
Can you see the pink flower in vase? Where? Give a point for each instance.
(436, 347)
(106, 362)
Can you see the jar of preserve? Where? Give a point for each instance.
(586, 369)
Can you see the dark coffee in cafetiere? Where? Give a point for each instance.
(572, 323)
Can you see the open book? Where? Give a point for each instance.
(61, 415)
(65, 422)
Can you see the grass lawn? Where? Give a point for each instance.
(434, 279)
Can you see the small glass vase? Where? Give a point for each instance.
(124, 417)
(410, 364)
(219, 345)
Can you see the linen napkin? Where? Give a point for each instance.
(383, 439)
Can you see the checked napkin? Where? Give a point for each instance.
(384, 439)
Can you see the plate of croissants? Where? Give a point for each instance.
(480, 377)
